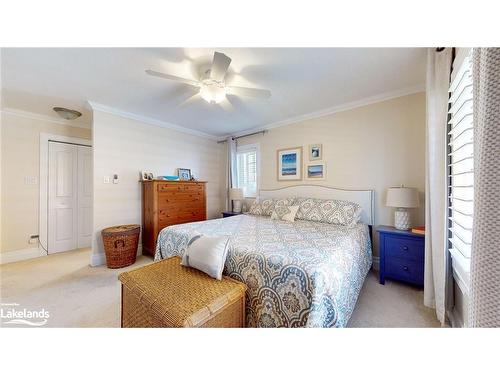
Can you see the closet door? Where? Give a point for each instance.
(63, 197)
(84, 196)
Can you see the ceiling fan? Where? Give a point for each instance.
(212, 84)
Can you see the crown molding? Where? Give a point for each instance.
(40, 117)
(149, 120)
(331, 110)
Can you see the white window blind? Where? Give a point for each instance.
(461, 169)
(247, 170)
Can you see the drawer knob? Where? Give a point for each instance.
(405, 268)
(405, 248)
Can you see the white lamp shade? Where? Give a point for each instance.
(404, 197)
(235, 194)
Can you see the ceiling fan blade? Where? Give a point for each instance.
(172, 78)
(219, 66)
(190, 100)
(247, 91)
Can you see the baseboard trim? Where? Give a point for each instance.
(376, 263)
(19, 255)
(98, 259)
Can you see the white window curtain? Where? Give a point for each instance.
(484, 303)
(438, 81)
(231, 169)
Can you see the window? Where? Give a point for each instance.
(461, 170)
(247, 169)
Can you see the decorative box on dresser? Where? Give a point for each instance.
(166, 203)
(401, 255)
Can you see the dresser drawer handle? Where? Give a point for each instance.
(405, 268)
(405, 248)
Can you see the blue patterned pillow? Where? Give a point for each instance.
(331, 211)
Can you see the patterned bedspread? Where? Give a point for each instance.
(300, 274)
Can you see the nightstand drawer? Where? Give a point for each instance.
(405, 270)
(404, 248)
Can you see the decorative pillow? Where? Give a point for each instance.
(207, 254)
(285, 213)
(265, 207)
(329, 211)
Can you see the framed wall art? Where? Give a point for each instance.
(290, 164)
(316, 171)
(315, 152)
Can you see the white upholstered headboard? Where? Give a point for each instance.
(365, 198)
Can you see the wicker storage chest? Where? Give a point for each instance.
(120, 245)
(166, 294)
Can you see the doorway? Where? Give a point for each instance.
(65, 193)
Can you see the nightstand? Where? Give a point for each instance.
(230, 213)
(401, 255)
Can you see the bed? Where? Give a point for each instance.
(300, 274)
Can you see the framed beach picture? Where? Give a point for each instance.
(315, 152)
(290, 164)
(316, 171)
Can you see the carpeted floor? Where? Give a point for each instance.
(77, 295)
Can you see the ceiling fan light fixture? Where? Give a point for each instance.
(213, 92)
(67, 114)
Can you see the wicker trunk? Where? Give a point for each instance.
(166, 294)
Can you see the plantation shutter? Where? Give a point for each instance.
(461, 170)
(247, 171)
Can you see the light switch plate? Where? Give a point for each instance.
(30, 180)
(107, 179)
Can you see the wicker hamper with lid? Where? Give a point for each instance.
(120, 245)
(166, 294)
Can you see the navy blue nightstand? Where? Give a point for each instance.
(401, 255)
(230, 213)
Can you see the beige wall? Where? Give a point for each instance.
(370, 147)
(20, 158)
(125, 147)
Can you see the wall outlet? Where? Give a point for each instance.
(115, 179)
(33, 239)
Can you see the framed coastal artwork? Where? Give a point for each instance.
(315, 152)
(316, 171)
(290, 164)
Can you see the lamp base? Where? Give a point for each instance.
(402, 219)
(237, 206)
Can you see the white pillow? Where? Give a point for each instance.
(207, 254)
(286, 213)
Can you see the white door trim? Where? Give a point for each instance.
(44, 171)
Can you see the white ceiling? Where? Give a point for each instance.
(302, 81)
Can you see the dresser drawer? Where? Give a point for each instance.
(179, 198)
(178, 187)
(179, 217)
(404, 248)
(405, 270)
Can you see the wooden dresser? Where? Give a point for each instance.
(167, 203)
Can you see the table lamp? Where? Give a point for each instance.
(402, 198)
(236, 195)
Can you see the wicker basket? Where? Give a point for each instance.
(120, 245)
(166, 294)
